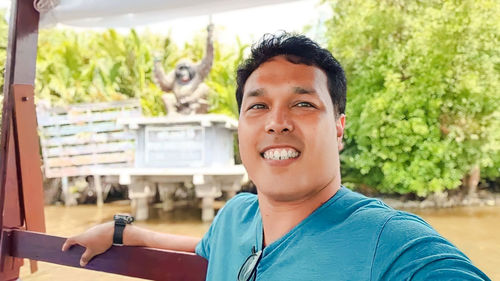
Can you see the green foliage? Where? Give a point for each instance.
(222, 80)
(423, 90)
(89, 67)
(4, 30)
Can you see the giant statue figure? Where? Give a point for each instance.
(186, 82)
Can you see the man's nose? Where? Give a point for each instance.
(279, 122)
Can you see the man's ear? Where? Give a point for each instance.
(340, 125)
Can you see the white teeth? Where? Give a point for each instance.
(280, 154)
(276, 154)
(284, 154)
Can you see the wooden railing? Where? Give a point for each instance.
(139, 262)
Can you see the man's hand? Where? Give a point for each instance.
(96, 240)
(99, 239)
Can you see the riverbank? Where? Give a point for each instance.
(443, 200)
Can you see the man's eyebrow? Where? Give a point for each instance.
(255, 93)
(297, 90)
(300, 90)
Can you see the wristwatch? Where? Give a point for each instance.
(120, 222)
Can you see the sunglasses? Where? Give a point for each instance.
(249, 268)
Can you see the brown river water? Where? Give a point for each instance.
(475, 230)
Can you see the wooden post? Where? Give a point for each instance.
(9, 203)
(98, 190)
(20, 174)
(167, 191)
(28, 156)
(68, 199)
(207, 189)
(140, 192)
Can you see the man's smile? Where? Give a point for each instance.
(280, 153)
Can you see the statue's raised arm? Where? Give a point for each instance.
(203, 67)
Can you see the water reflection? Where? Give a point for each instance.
(475, 230)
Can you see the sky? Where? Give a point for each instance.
(248, 24)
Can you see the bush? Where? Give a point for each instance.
(423, 91)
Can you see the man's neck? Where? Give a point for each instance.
(279, 217)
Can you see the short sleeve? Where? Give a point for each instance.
(410, 249)
(222, 218)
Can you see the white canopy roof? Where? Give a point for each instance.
(128, 13)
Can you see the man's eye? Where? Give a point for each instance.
(304, 104)
(257, 106)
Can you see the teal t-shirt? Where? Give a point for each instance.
(350, 237)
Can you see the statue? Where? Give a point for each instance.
(186, 82)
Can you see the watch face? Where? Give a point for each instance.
(123, 219)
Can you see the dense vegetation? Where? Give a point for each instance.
(423, 91)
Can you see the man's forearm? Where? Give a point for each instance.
(136, 236)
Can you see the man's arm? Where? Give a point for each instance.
(410, 249)
(99, 239)
(136, 236)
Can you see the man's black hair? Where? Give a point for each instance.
(297, 49)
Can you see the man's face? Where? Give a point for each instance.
(288, 134)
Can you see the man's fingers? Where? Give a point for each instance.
(86, 257)
(68, 243)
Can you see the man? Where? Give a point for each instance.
(303, 224)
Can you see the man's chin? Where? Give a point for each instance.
(280, 193)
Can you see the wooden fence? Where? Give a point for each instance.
(78, 138)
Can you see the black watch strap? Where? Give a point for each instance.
(120, 222)
(118, 234)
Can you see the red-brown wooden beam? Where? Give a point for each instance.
(29, 173)
(28, 157)
(9, 266)
(139, 262)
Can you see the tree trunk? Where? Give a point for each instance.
(471, 181)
